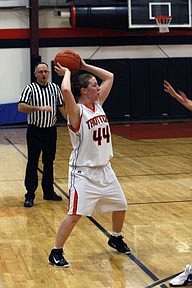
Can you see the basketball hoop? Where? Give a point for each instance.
(163, 23)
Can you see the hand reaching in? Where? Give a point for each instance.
(180, 95)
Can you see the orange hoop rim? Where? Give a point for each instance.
(160, 17)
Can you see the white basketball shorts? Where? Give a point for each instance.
(94, 190)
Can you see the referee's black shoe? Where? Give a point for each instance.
(53, 197)
(118, 244)
(28, 203)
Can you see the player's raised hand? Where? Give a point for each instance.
(180, 95)
(60, 70)
(169, 89)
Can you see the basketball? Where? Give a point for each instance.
(69, 59)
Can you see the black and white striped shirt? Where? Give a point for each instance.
(36, 95)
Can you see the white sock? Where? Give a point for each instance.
(115, 234)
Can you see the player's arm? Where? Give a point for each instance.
(179, 96)
(61, 105)
(105, 76)
(27, 108)
(63, 111)
(72, 108)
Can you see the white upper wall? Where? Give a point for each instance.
(14, 18)
(13, 3)
(14, 73)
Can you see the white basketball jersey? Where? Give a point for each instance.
(91, 142)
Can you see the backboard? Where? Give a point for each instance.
(141, 13)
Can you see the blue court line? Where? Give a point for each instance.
(163, 280)
(133, 258)
(145, 269)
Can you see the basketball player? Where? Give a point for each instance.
(93, 186)
(184, 278)
(40, 100)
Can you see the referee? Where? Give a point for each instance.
(40, 100)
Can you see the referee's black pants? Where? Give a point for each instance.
(40, 140)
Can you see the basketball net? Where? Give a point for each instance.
(163, 23)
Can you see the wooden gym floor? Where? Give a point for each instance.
(155, 174)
